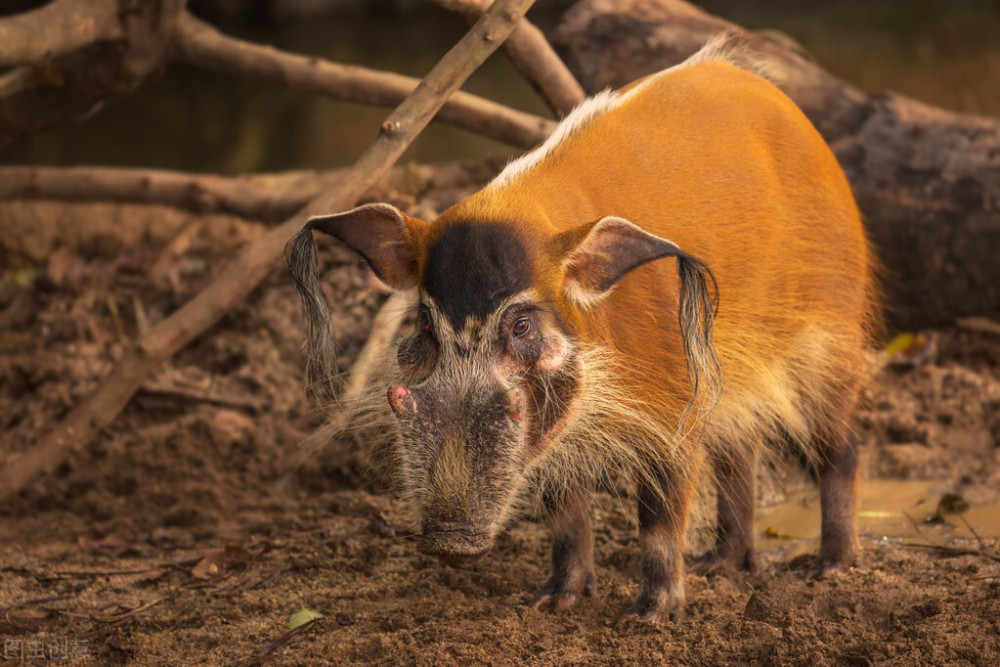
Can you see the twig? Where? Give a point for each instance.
(534, 57)
(57, 28)
(200, 44)
(257, 259)
(266, 197)
(159, 272)
(83, 574)
(979, 325)
(916, 527)
(982, 544)
(952, 551)
(119, 618)
(254, 405)
(37, 601)
(284, 638)
(944, 549)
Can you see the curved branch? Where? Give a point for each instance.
(202, 45)
(257, 259)
(57, 28)
(534, 57)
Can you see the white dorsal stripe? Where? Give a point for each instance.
(720, 48)
(579, 117)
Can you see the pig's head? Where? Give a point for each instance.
(491, 373)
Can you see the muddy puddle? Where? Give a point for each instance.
(897, 512)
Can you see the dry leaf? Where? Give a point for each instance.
(153, 575)
(214, 563)
(113, 545)
(210, 565)
(775, 535)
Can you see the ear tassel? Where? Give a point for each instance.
(322, 374)
(699, 298)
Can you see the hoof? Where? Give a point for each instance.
(824, 568)
(647, 610)
(558, 596)
(715, 562)
(836, 557)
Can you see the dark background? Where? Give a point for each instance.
(944, 53)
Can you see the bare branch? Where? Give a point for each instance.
(532, 54)
(257, 259)
(266, 197)
(52, 89)
(261, 197)
(200, 44)
(74, 80)
(57, 28)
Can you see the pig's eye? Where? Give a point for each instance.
(521, 327)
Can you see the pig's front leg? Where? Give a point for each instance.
(663, 514)
(572, 555)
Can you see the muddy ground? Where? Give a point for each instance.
(179, 536)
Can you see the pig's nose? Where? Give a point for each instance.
(455, 541)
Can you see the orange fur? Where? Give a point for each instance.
(722, 163)
(604, 243)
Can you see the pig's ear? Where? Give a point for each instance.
(596, 255)
(384, 236)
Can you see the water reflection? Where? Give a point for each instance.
(887, 511)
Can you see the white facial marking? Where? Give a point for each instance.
(556, 351)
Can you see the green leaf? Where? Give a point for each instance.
(303, 616)
(24, 277)
(900, 343)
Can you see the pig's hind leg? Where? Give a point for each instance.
(838, 474)
(735, 475)
(572, 555)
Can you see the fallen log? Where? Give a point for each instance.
(927, 180)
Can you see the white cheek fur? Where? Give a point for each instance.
(553, 354)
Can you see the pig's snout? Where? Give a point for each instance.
(455, 542)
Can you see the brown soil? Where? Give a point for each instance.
(179, 537)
